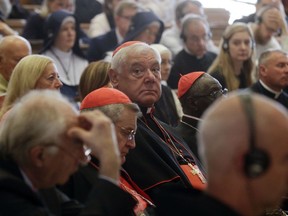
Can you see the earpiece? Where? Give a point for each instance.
(225, 45)
(252, 44)
(256, 160)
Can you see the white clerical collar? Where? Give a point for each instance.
(149, 110)
(270, 90)
(61, 53)
(27, 180)
(118, 36)
(186, 50)
(164, 82)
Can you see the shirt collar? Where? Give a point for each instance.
(118, 36)
(27, 180)
(277, 94)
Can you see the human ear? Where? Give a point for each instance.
(114, 78)
(36, 155)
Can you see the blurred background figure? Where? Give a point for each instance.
(12, 49)
(103, 22)
(171, 36)
(93, 77)
(35, 26)
(163, 8)
(62, 45)
(194, 56)
(268, 25)
(234, 65)
(167, 108)
(146, 27)
(32, 72)
(5, 9)
(85, 10)
(260, 4)
(123, 15)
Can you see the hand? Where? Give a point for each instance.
(274, 16)
(97, 132)
(5, 29)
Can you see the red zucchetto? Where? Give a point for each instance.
(186, 82)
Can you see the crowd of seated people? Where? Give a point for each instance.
(142, 113)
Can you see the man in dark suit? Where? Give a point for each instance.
(194, 56)
(273, 75)
(43, 148)
(246, 159)
(124, 12)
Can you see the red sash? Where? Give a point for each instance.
(142, 203)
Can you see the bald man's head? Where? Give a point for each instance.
(12, 49)
(225, 140)
(225, 129)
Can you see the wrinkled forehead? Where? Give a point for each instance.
(139, 51)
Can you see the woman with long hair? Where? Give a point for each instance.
(234, 65)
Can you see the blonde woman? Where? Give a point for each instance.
(233, 66)
(32, 72)
(34, 28)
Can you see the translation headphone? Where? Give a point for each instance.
(256, 160)
(225, 45)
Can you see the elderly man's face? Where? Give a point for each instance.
(69, 155)
(196, 38)
(139, 77)
(126, 127)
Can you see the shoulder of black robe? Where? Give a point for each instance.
(179, 201)
(165, 107)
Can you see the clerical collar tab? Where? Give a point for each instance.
(149, 110)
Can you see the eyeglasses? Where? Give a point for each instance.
(83, 161)
(214, 94)
(127, 132)
(128, 18)
(196, 39)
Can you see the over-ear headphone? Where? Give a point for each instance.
(225, 45)
(256, 160)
